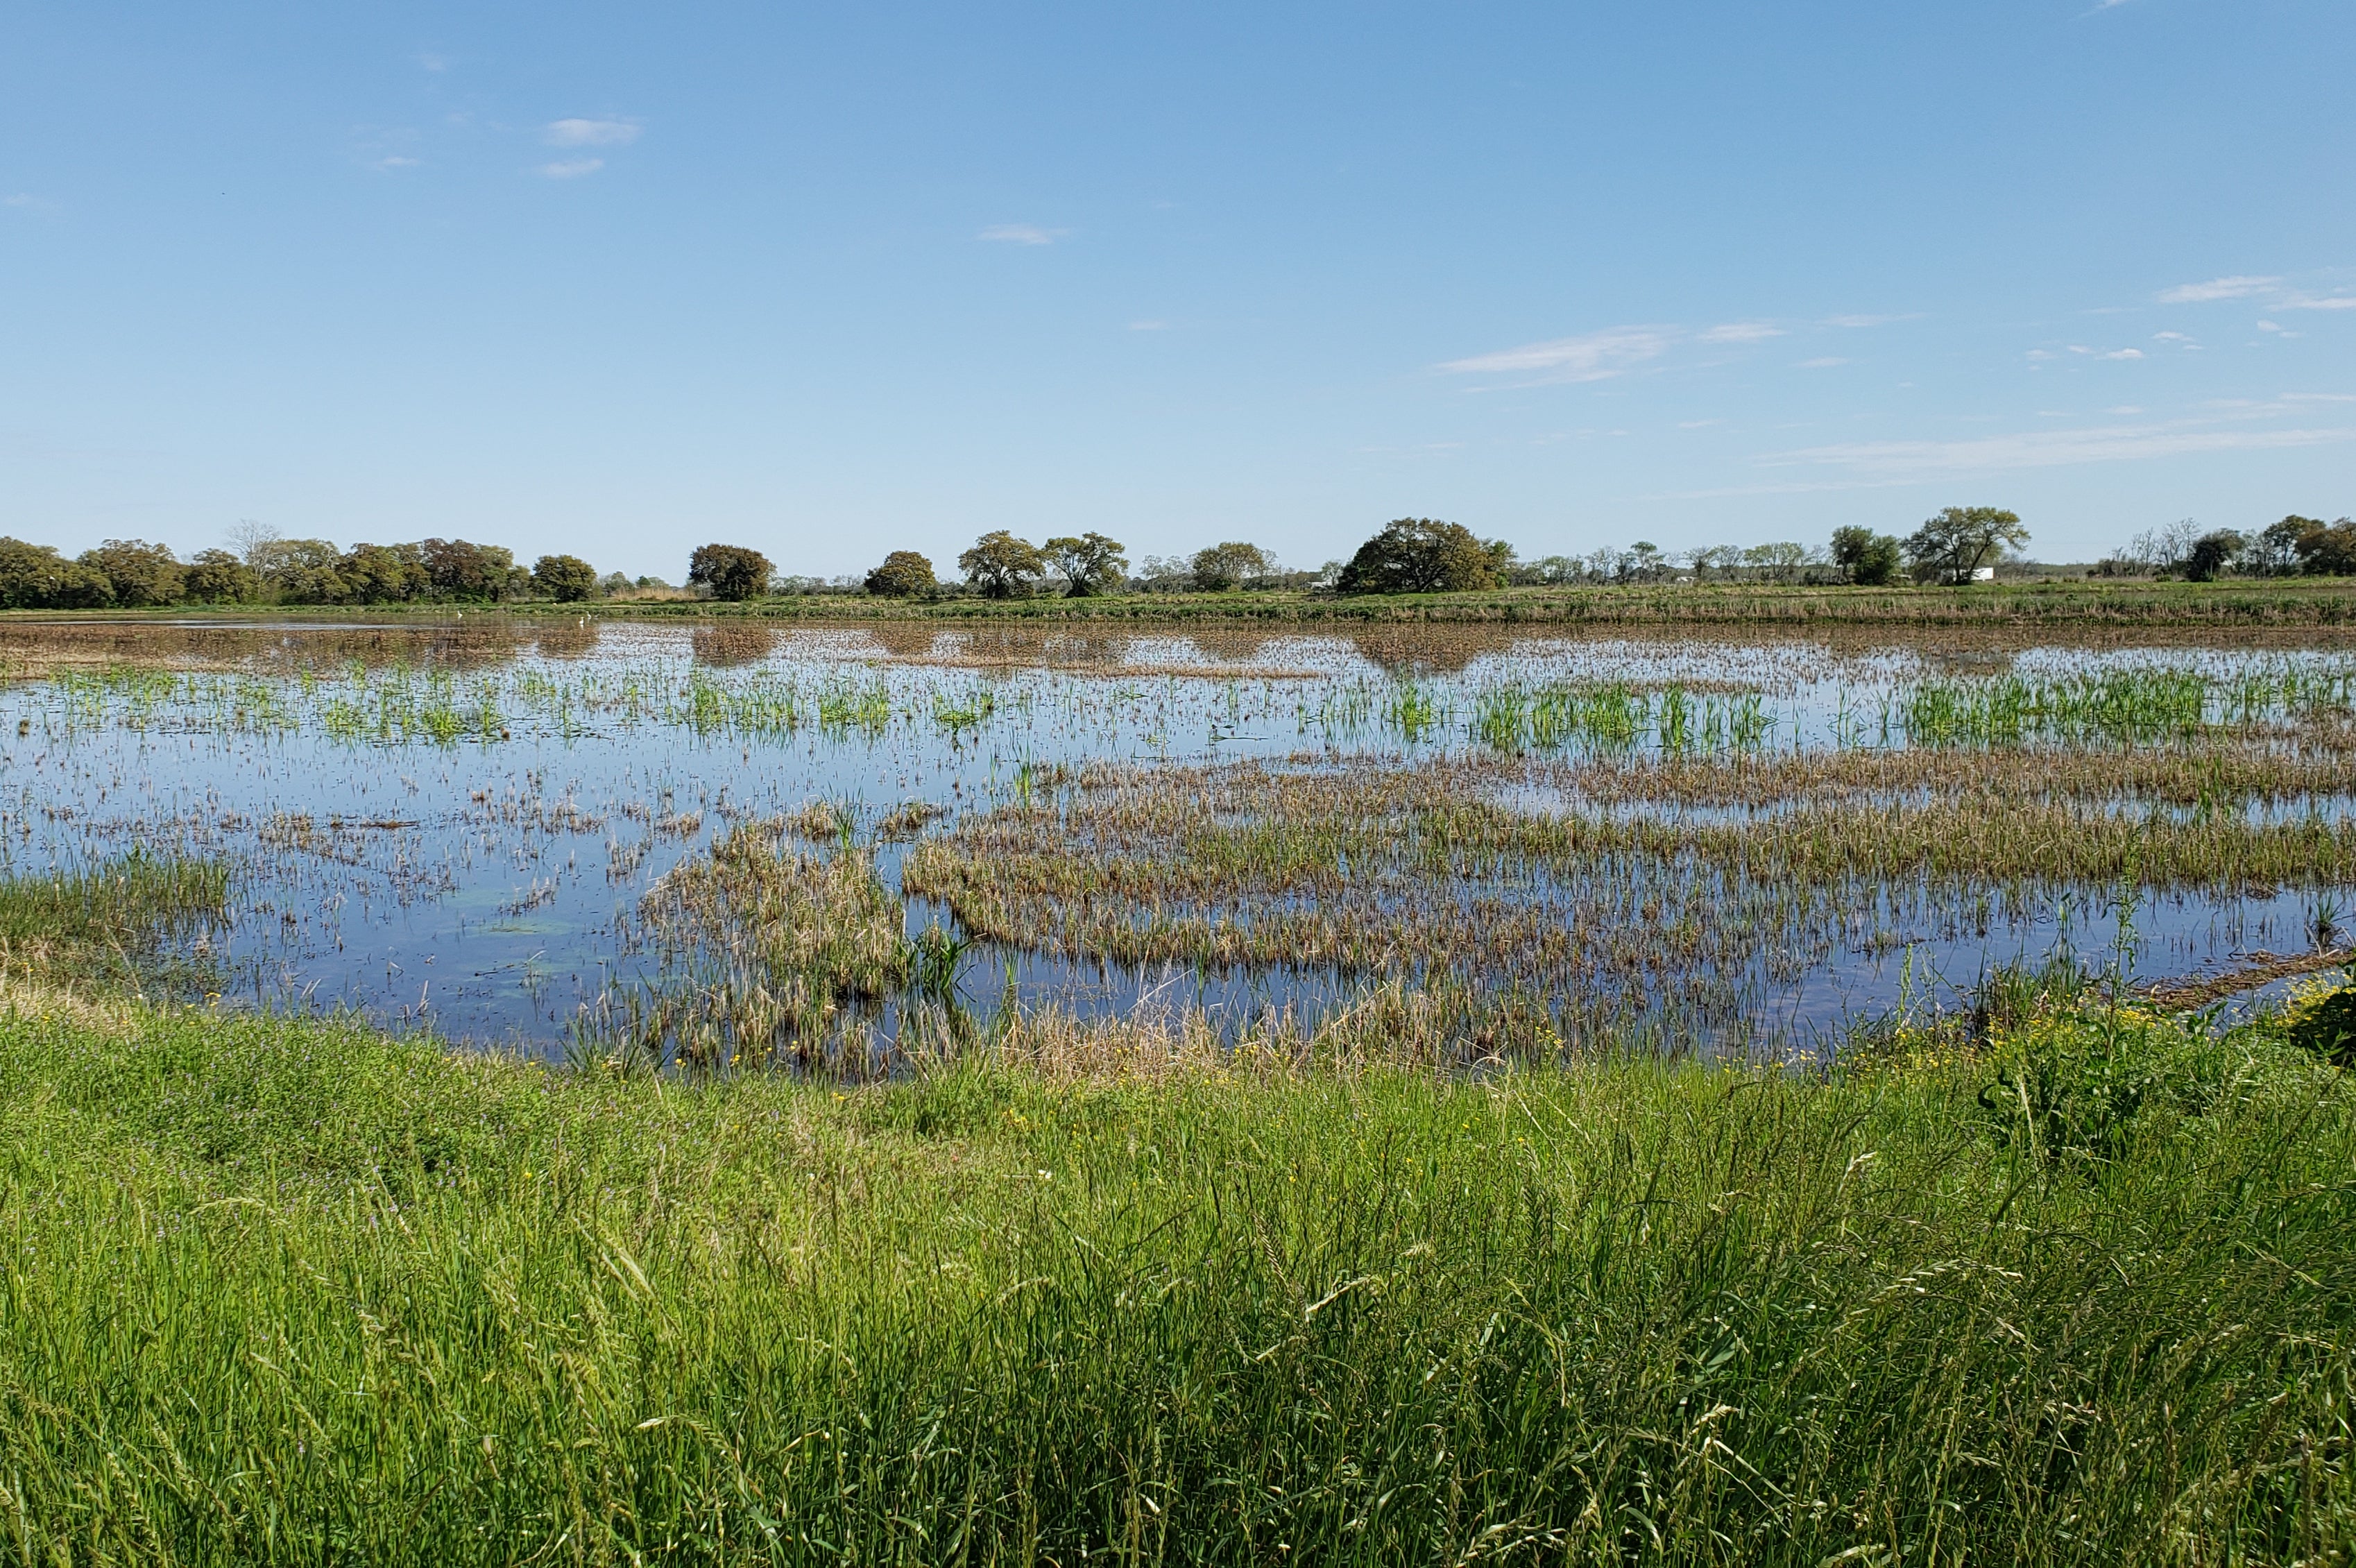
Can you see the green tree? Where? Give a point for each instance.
(2212, 553)
(2274, 552)
(35, 577)
(2326, 550)
(567, 579)
(470, 573)
(1003, 566)
(730, 572)
(300, 571)
(1868, 559)
(1951, 547)
(905, 574)
(1090, 563)
(138, 573)
(1229, 565)
(384, 573)
(1423, 555)
(221, 577)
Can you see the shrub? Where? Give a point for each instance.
(2325, 1026)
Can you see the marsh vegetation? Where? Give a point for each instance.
(737, 1094)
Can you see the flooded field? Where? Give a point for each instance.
(742, 844)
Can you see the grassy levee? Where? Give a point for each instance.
(2295, 602)
(2299, 602)
(294, 1292)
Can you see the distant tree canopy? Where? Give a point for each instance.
(2323, 549)
(730, 570)
(1951, 547)
(1090, 563)
(219, 577)
(1228, 566)
(567, 579)
(1424, 555)
(1000, 566)
(138, 574)
(35, 577)
(2212, 554)
(1868, 559)
(905, 574)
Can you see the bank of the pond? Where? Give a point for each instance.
(2295, 602)
(292, 1291)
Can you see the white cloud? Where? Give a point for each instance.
(396, 161)
(2217, 289)
(2124, 354)
(2320, 301)
(1742, 332)
(1823, 363)
(24, 202)
(590, 133)
(1022, 234)
(1902, 460)
(1595, 356)
(572, 168)
(2169, 338)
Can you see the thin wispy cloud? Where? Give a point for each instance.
(1594, 357)
(1822, 362)
(590, 133)
(397, 161)
(433, 61)
(2319, 302)
(25, 201)
(1903, 460)
(2218, 289)
(571, 169)
(1021, 234)
(1742, 332)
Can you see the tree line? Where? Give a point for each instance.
(1408, 555)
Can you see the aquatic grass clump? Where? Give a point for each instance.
(133, 899)
(764, 946)
(295, 1292)
(1662, 889)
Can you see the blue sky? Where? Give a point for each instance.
(621, 279)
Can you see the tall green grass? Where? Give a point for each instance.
(296, 1293)
(116, 903)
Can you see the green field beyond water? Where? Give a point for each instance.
(2084, 1291)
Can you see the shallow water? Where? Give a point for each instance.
(452, 824)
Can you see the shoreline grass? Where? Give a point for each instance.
(295, 1292)
(2288, 602)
